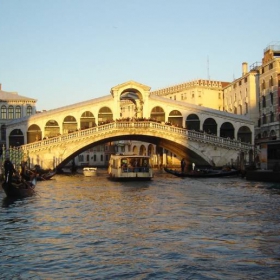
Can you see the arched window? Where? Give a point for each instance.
(11, 112)
(29, 110)
(271, 116)
(271, 81)
(264, 119)
(271, 98)
(263, 101)
(18, 112)
(3, 112)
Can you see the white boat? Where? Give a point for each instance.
(90, 171)
(130, 167)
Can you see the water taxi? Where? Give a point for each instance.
(89, 171)
(130, 167)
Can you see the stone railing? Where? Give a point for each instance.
(115, 126)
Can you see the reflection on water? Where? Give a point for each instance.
(79, 227)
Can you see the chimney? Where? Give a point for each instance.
(0, 86)
(244, 68)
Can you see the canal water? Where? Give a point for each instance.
(78, 227)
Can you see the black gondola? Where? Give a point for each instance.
(203, 173)
(19, 190)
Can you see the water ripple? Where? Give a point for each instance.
(169, 228)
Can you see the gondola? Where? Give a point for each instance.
(46, 176)
(203, 173)
(19, 190)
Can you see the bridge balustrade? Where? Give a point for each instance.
(189, 134)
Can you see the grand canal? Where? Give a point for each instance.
(169, 228)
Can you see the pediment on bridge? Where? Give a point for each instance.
(130, 85)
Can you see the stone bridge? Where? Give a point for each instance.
(198, 147)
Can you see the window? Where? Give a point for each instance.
(29, 110)
(3, 112)
(263, 84)
(271, 98)
(263, 102)
(264, 119)
(271, 117)
(271, 81)
(270, 66)
(10, 112)
(101, 158)
(246, 108)
(18, 112)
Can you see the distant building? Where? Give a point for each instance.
(14, 106)
(206, 93)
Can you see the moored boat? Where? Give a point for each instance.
(203, 173)
(127, 167)
(89, 171)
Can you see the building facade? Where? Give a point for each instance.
(14, 106)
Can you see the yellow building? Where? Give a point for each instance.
(206, 93)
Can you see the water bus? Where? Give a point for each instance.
(129, 167)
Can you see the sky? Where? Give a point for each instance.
(61, 52)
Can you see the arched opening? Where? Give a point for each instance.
(16, 138)
(151, 149)
(175, 118)
(158, 114)
(135, 150)
(105, 115)
(69, 124)
(272, 135)
(34, 133)
(227, 130)
(131, 104)
(210, 126)
(142, 150)
(193, 122)
(244, 134)
(52, 129)
(87, 120)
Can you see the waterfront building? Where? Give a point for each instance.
(14, 106)
(268, 129)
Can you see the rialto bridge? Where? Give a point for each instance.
(131, 112)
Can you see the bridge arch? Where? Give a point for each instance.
(69, 124)
(34, 133)
(175, 118)
(210, 126)
(244, 134)
(158, 114)
(227, 130)
(87, 120)
(193, 122)
(105, 115)
(52, 129)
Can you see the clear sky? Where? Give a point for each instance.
(62, 52)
